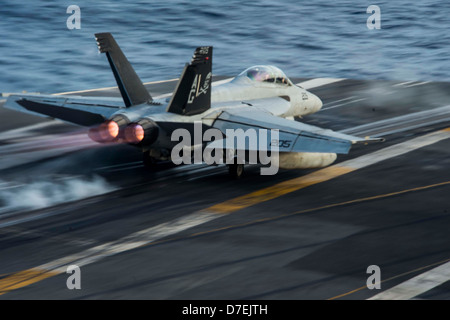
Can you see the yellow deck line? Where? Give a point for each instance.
(279, 189)
(326, 174)
(324, 207)
(24, 278)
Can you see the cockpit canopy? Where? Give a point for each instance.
(268, 74)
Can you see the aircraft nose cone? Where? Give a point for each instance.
(317, 103)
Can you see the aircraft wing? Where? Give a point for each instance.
(84, 111)
(293, 136)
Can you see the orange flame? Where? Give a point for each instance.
(109, 130)
(134, 133)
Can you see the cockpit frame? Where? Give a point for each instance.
(266, 74)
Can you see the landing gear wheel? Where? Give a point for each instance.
(149, 162)
(236, 170)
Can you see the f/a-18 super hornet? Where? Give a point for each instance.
(260, 98)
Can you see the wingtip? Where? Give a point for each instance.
(372, 139)
(367, 139)
(380, 139)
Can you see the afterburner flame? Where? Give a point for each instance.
(109, 130)
(134, 133)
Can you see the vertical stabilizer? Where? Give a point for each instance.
(131, 87)
(193, 92)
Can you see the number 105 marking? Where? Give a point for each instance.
(280, 143)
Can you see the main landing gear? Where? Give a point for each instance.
(236, 170)
(149, 161)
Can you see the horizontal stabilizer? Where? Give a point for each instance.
(84, 111)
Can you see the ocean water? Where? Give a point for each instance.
(319, 38)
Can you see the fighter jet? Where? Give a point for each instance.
(260, 98)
